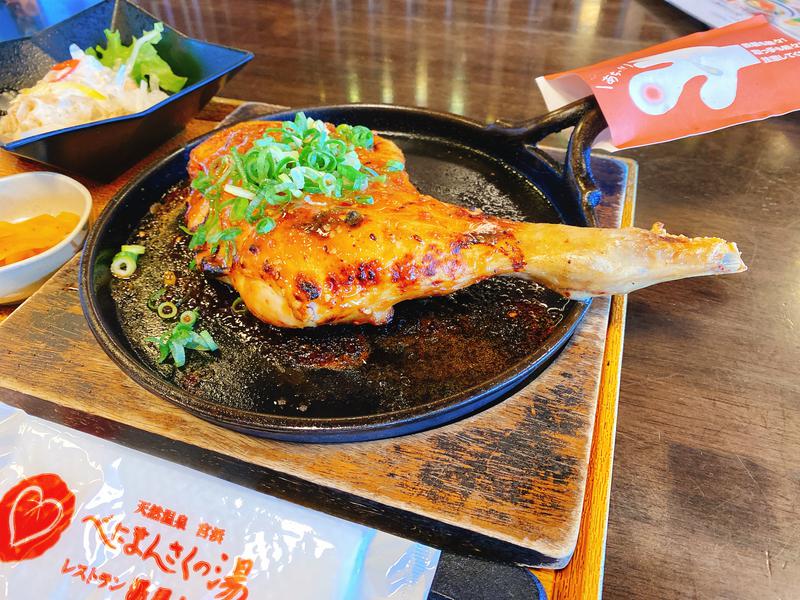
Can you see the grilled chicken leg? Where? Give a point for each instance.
(331, 260)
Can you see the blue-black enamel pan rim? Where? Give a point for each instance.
(317, 430)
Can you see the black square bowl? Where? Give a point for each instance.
(103, 149)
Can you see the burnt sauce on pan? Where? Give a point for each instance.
(433, 347)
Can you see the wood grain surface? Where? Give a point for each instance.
(508, 481)
(457, 475)
(704, 502)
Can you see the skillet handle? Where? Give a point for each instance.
(585, 116)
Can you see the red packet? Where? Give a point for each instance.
(699, 83)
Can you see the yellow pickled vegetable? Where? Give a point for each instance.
(30, 237)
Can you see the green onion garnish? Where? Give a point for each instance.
(365, 199)
(134, 249)
(238, 307)
(394, 165)
(210, 343)
(154, 297)
(123, 265)
(167, 310)
(290, 162)
(359, 135)
(202, 182)
(188, 317)
(265, 225)
(180, 338)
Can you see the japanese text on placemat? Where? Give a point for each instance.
(217, 569)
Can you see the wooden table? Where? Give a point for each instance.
(705, 496)
(707, 474)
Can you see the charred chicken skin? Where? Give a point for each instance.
(309, 256)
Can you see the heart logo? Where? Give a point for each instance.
(29, 513)
(33, 515)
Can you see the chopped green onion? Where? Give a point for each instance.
(239, 192)
(154, 297)
(353, 179)
(210, 343)
(198, 237)
(231, 233)
(167, 310)
(365, 199)
(188, 317)
(394, 165)
(239, 210)
(178, 353)
(336, 147)
(193, 341)
(123, 265)
(134, 249)
(265, 225)
(289, 163)
(238, 307)
(180, 338)
(361, 137)
(163, 350)
(202, 182)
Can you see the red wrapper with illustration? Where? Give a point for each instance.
(699, 83)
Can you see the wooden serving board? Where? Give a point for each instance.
(515, 482)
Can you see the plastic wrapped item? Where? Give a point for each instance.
(85, 518)
(695, 84)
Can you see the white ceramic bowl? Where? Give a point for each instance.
(29, 195)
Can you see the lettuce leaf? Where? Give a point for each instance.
(146, 61)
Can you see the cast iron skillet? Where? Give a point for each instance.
(438, 360)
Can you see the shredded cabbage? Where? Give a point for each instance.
(96, 84)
